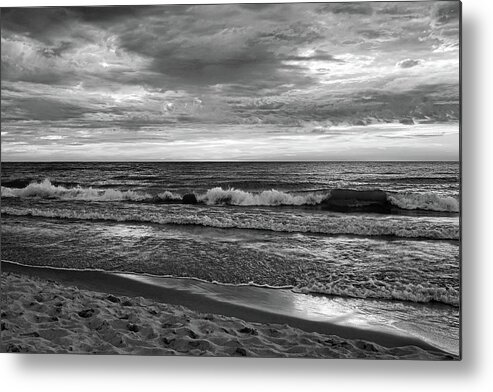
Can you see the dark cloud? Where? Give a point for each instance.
(349, 8)
(317, 55)
(372, 33)
(40, 23)
(408, 63)
(12, 71)
(56, 51)
(447, 12)
(396, 9)
(108, 13)
(258, 7)
(294, 33)
(248, 66)
(222, 53)
(48, 109)
(436, 102)
(400, 9)
(422, 103)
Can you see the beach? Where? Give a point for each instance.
(41, 316)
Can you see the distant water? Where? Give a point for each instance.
(296, 224)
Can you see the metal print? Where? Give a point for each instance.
(257, 180)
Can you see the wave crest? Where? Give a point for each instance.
(47, 190)
(424, 201)
(321, 224)
(265, 198)
(377, 289)
(342, 200)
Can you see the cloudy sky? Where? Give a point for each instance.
(319, 81)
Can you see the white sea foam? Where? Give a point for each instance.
(383, 290)
(266, 198)
(46, 189)
(424, 201)
(167, 195)
(231, 196)
(323, 224)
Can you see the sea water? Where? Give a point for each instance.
(394, 250)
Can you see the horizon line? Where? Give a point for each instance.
(236, 161)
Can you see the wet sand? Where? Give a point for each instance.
(72, 312)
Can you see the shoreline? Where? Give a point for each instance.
(93, 283)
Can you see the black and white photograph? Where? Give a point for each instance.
(232, 180)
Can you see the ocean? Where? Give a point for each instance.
(381, 237)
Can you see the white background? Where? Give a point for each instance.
(473, 373)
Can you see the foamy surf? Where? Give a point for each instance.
(379, 201)
(272, 197)
(310, 223)
(424, 201)
(46, 190)
(420, 293)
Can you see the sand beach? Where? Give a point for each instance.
(43, 316)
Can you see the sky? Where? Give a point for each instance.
(313, 81)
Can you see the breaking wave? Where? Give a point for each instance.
(47, 190)
(266, 198)
(383, 290)
(343, 200)
(424, 201)
(318, 224)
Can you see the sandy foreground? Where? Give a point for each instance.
(41, 316)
